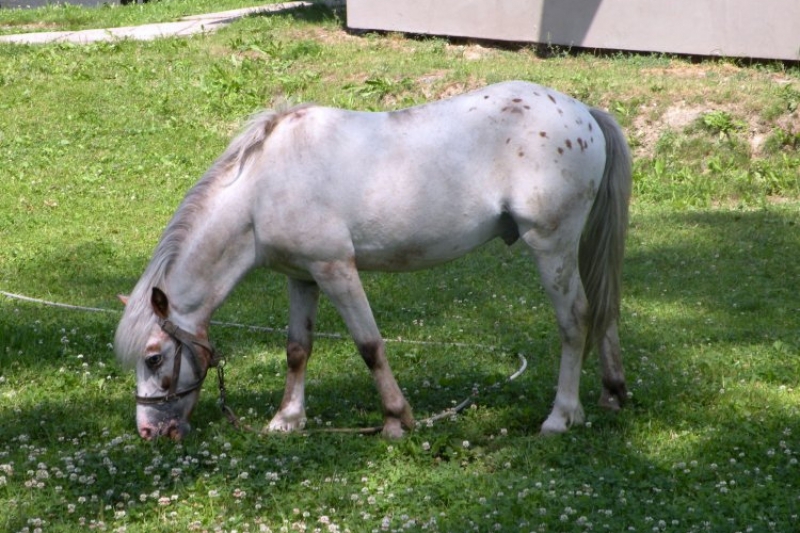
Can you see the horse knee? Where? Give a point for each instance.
(296, 356)
(372, 352)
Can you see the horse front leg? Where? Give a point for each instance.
(341, 283)
(303, 303)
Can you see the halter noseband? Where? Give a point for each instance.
(182, 339)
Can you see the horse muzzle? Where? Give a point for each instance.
(170, 420)
(173, 429)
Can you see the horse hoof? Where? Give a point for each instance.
(281, 424)
(550, 428)
(610, 401)
(614, 395)
(562, 418)
(392, 430)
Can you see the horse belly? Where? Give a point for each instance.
(406, 255)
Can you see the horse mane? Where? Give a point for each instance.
(138, 319)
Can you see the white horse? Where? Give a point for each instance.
(319, 194)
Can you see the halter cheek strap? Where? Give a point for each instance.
(182, 339)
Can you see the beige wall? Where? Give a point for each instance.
(734, 28)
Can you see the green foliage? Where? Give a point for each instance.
(99, 143)
(790, 97)
(376, 89)
(721, 123)
(625, 110)
(784, 139)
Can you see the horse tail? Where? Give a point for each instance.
(602, 244)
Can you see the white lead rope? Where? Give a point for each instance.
(266, 329)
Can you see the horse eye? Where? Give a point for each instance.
(154, 361)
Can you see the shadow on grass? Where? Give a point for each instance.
(606, 467)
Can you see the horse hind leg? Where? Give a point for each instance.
(615, 391)
(561, 280)
(341, 283)
(303, 300)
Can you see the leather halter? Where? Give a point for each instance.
(183, 339)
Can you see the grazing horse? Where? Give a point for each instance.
(319, 194)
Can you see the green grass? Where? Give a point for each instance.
(99, 143)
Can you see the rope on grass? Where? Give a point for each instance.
(237, 325)
(22, 298)
(446, 413)
(428, 422)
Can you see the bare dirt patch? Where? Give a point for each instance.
(471, 52)
(649, 126)
(679, 95)
(647, 130)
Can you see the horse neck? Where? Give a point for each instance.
(214, 256)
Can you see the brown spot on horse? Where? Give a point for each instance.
(369, 352)
(517, 110)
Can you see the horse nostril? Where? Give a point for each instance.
(146, 433)
(175, 431)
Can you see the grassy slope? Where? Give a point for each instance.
(99, 143)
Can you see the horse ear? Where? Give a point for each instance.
(160, 303)
(123, 298)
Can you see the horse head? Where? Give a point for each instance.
(169, 374)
